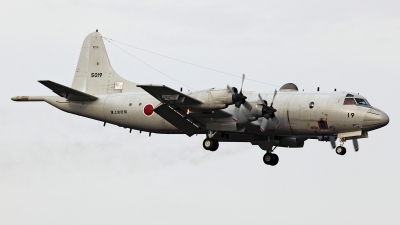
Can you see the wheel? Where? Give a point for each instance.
(210, 144)
(267, 158)
(275, 160)
(216, 145)
(271, 159)
(207, 143)
(341, 150)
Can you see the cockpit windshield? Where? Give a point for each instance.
(361, 101)
(355, 101)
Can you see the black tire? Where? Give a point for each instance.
(343, 151)
(215, 146)
(275, 160)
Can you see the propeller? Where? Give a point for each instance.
(268, 113)
(237, 98)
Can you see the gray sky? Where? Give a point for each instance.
(58, 168)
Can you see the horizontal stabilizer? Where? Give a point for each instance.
(68, 93)
(168, 95)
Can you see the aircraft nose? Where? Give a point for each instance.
(384, 119)
(375, 119)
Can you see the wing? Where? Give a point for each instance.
(183, 111)
(69, 93)
(174, 108)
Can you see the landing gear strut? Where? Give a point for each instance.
(210, 144)
(271, 159)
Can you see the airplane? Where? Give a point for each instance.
(284, 118)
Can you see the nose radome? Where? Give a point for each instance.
(384, 118)
(375, 119)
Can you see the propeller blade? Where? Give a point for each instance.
(247, 106)
(238, 116)
(275, 122)
(355, 144)
(263, 125)
(332, 139)
(235, 115)
(261, 99)
(230, 89)
(273, 98)
(241, 86)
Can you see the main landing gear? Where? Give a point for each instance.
(340, 150)
(210, 144)
(271, 159)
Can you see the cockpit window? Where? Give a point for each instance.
(361, 101)
(349, 95)
(355, 101)
(349, 101)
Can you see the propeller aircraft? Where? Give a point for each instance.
(222, 114)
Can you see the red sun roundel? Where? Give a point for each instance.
(148, 110)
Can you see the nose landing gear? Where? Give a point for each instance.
(271, 159)
(340, 150)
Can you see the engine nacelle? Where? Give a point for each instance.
(252, 111)
(212, 99)
(221, 96)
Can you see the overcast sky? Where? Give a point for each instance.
(58, 168)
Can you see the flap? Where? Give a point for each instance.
(167, 95)
(67, 92)
(184, 124)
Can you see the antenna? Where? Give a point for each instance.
(318, 89)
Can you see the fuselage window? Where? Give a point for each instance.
(349, 101)
(361, 101)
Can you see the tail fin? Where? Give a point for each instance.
(94, 74)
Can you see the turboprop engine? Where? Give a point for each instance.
(220, 98)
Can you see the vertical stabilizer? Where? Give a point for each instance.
(94, 74)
